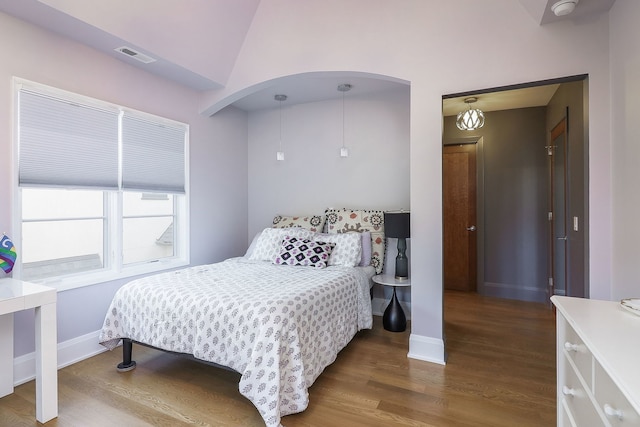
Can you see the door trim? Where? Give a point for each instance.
(479, 141)
(560, 129)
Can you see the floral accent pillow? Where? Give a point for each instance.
(348, 248)
(304, 252)
(346, 220)
(312, 222)
(268, 244)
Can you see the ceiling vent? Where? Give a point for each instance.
(132, 53)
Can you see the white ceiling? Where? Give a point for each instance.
(313, 89)
(537, 96)
(540, 10)
(177, 36)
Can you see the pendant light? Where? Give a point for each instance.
(345, 87)
(470, 119)
(280, 153)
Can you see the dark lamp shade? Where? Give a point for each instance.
(397, 224)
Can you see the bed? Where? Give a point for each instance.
(274, 315)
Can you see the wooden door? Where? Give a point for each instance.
(459, 217)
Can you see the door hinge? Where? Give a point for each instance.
(550, 216)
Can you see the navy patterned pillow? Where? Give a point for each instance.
(308, 253)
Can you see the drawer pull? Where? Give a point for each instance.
(612, 412)
(570, 347)
(568, 391)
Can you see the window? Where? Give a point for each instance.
(147, 227)
(62, 232)
(101, 189)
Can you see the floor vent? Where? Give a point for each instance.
(132, 53)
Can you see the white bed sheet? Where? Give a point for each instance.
(278, 326)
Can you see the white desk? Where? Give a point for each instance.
(16, 295)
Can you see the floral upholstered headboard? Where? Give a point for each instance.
(314, 223)
(359, 220)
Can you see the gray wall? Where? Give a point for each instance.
(314, 177)
(514, 179)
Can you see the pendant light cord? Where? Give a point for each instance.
(343, 88)
(342, 119)
(280, 98)
(280, 109)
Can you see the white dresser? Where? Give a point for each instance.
(598, 356)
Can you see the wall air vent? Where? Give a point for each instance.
(132, 53)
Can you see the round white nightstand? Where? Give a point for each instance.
(394, 319)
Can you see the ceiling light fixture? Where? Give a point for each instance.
(564, 7)
(470, 119)
(280, 153)
(345, 87)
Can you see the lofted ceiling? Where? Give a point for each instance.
(197, 46)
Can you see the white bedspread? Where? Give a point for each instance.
(278, 326)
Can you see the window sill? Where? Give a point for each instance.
(102, 276)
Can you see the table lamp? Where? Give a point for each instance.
(397, 225)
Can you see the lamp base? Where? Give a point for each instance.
(402, 263)
(394, 319)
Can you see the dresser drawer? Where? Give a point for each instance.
(565, 416)
(576, 399)
(612, 402)
(575, 349)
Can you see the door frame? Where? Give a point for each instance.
(479, 142)
(559, 129)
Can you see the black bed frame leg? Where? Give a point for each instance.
(127, 364)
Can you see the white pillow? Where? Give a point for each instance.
(348, 250)
(366, 249)
(252, 246)
(270, 241)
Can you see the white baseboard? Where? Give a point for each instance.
(420, 347)
(427, 349)
(69, 352)
(378, 305)
(86, 346)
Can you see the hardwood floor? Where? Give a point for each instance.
(500, 371)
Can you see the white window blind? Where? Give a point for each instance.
(65, 144)
(153, 156)
(73, 144)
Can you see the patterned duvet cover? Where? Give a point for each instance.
(278, 326)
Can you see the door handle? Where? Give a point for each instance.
(562, 238)
(472, 228)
